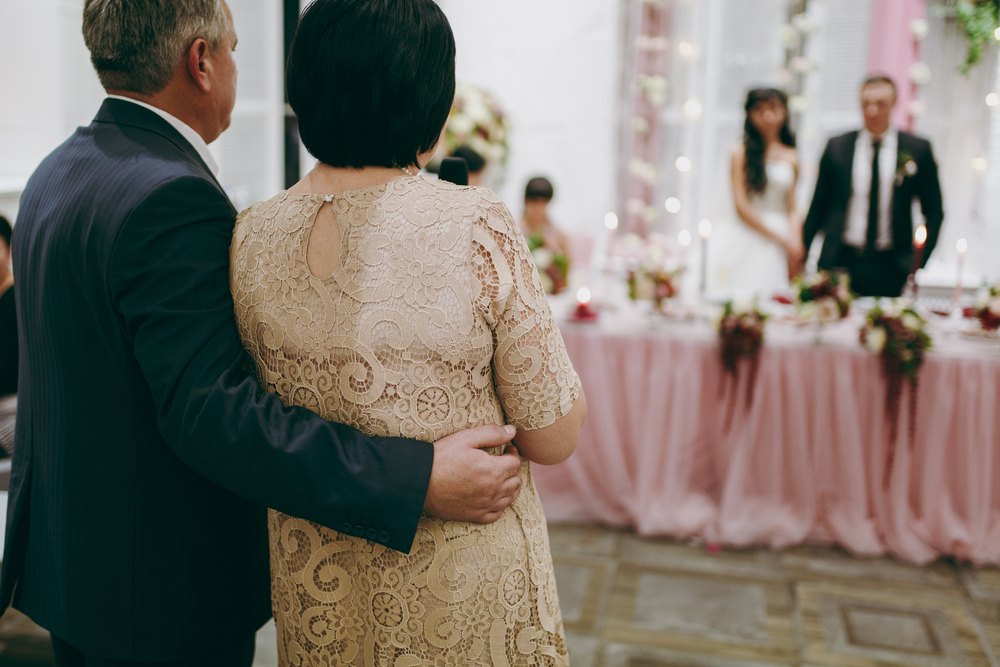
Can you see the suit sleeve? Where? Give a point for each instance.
(170, 282)
(931, 202)
(821, 199)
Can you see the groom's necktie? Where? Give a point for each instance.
(873, 200)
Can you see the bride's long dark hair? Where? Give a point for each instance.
(753, 142)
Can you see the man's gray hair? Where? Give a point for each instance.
(135, 45)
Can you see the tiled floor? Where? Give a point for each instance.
(634, 602)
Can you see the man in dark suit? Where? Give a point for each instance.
(868, 181)
(145, 455)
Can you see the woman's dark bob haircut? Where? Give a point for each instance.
(539, 188)
(371, 81)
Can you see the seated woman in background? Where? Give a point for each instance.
(476, 162)
(554, 260)
(8, 348)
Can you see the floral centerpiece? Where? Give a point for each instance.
(478, 121)
(653, 283)
(987, 308)
(899, 336)
(741, 335)
(825, 296)
(553, 266)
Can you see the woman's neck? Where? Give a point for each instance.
(324, 179)
(536, 223)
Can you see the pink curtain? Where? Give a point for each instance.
(892, 49)
(804, 461)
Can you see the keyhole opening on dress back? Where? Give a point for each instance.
(323, 250)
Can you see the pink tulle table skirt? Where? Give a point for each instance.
(803, 461)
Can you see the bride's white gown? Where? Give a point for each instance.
(745, 263)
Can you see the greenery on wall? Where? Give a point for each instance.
(979, 20)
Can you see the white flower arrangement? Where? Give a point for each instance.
(875, 340)
(802, 65)
(920, 73)
(647, 43)
(800, 103)
(654, 88)
(477, 121)
(644, 171)
(805, 24)
(919, 29)
(789, 36)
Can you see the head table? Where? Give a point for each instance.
(673, 446)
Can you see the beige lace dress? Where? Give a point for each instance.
(435, 321)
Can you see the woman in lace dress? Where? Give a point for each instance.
(402, 306)
(764, 247)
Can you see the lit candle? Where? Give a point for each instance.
(704, 231)
(583, 311)
(684, 238)
(919, 241)
(962, 246)
(611, 223)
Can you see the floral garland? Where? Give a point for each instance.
(898, 335)
(825, 296)
(979, 20)
(553, 267)
(653, 284)
(741, 335)
(987, 309)
(478, 121)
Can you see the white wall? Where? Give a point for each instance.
(555, 68)
(49, 88)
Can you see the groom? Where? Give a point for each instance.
(868, 182)
(145, 455)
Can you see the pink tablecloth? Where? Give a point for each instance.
(804, 462)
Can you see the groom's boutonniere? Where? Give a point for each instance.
(906, 167)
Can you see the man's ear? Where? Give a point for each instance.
(198, 65)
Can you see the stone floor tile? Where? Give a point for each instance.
(820, 562)
(857, 626)
(694, 613)
(583, 585)
(588, 540)
(982, 584)
(627, 655)
(584, 651)
(653, 552)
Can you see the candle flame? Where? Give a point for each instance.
(962, 246)
(583, 296)
(705, 229)
(684, 238)
(920, 238)
(611, 221)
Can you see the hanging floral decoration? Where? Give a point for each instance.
(741, 336)
(899, 336)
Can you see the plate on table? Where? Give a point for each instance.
(976, 332)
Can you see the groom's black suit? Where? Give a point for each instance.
(145, 454)
(828, 212)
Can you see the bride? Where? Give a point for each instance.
(764, 249)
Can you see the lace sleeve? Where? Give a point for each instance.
(534, 377)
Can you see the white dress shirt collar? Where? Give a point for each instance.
(185, 130)
(856, 224)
